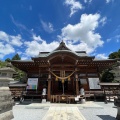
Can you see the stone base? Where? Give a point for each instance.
(43, 100)
(6, 115)
(118, 117)
(6, 104)
(6, 101)
(82, 101)
(118, 113)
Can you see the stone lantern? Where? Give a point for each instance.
(117, 103)
(116, 72)
(6, 101)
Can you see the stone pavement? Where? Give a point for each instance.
(63, 113)
(60, 111)
(88, 104)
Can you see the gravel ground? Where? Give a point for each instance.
(108, 112)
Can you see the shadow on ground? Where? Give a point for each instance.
(106, 117)
(28, 102)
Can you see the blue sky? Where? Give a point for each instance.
(28, 27)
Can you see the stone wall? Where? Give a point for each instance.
(6, 101)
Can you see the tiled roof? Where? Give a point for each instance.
(22, 61)
(17, 83)
(80, 54)
(62, 48)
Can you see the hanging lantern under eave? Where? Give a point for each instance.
(56, 79)
(68, 78)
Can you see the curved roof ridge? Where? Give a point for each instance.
(63, 48)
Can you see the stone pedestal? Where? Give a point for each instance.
(117, 103)
(6, 101)
(82, 101)
(118, 113)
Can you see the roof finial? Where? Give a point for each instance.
(62, 41)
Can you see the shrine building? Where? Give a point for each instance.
(62, 71)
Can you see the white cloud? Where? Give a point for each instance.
(10, 39)
(19, 52)
(74, 6)
(19, 25)
(84, 32)
(108, 1)
(4, 36)
(101, 56)
(117, 37)
(108, 40)
(16, 40)
(34, 47)
(37, 38)
(79, 47)
(24, 58)
(7, 43)
(117, 41)
(48, 27)
(103, 21)
(5, 49)
(87, 1)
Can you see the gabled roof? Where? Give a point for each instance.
(63, 48)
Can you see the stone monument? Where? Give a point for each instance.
(6, 101)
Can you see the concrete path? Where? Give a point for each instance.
(63, 113)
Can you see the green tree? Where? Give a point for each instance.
(16, 57)
(3, 64)
(107, 76)
(19, 75)
(114, 55)
(8, 60)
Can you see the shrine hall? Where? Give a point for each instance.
(63, 71)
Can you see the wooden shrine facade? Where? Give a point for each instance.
(63, 68)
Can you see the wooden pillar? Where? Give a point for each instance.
(98, 73)
(73, 83)
(77, 87)
(49, 88)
